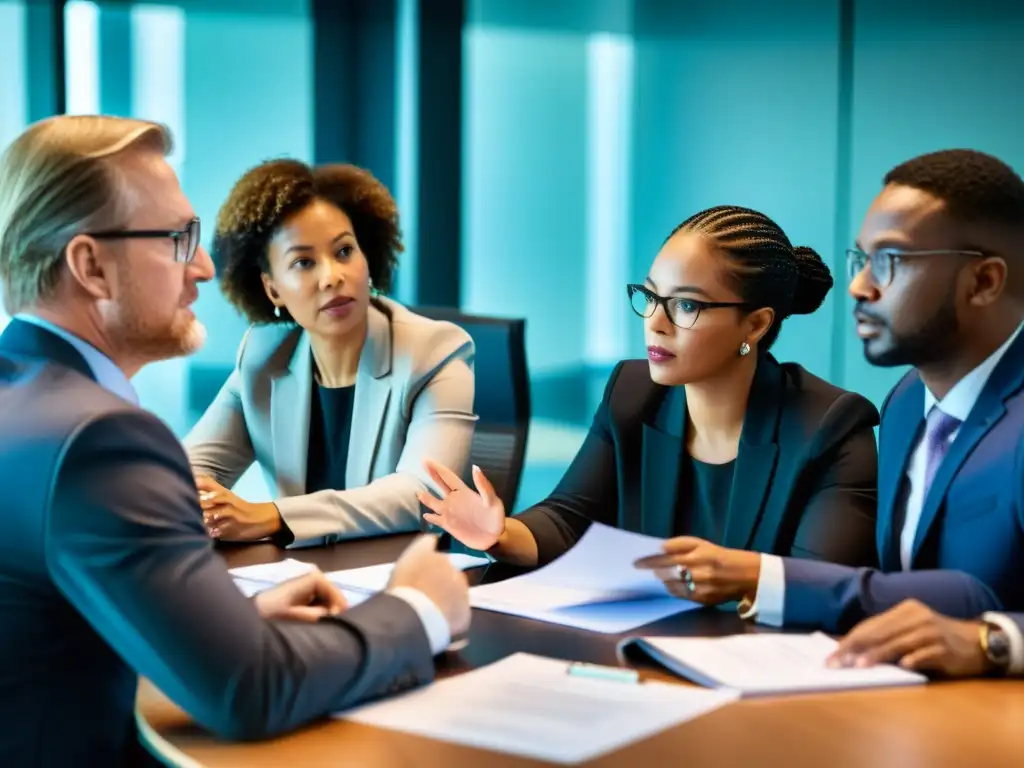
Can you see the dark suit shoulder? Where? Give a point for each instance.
(129, 427)
(630, 393)
(59, 401)
(629, 377)
(821, 408)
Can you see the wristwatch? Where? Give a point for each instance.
(996, 645)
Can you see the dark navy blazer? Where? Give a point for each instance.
(971, 525)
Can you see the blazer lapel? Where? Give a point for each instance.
(290, 398)
(899, 436)
(757, 456)
(1006, 379)
(373, 393)
(663, 447)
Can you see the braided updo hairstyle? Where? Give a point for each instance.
(769, 271)
(269, 194)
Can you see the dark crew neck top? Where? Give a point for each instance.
(703, 510)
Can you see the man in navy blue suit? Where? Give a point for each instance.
(939, 285)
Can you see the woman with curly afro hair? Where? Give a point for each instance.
(338, 393)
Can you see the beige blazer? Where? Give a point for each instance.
(413, 400)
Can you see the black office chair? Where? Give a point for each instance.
(502, 400)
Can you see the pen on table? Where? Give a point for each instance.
(598, 672)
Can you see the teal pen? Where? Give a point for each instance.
(598, 672)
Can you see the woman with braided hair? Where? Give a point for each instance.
(710, 443)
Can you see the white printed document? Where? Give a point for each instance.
(374, 578)
(593, 586)
(764, 664)
(531, 706)
(356, 584)
(252, 579)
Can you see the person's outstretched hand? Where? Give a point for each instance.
(475, 519)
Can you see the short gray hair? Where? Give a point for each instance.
(58, 179)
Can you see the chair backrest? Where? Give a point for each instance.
(502, 401)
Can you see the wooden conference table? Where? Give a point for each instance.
(941, 724)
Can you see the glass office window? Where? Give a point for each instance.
(547, 184)
(13, 79)
(547, 213)
(13, 75)
(233, 81)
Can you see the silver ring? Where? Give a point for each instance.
(684, 575)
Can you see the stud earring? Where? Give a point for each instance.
(744, 349)
(277, 311)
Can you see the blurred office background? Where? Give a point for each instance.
(540, 150)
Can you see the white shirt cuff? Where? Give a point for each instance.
(1013, 634)
(770, 599)
(439, 634)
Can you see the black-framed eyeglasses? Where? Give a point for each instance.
(682, 312)
(186, 240)
(883, 261)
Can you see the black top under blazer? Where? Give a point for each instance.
(804, 482)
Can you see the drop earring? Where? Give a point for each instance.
(373, 291)
(744, 349)
(277, 311)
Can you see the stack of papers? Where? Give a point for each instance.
(530, 706)
(764, 664)
(357, 584)
(593, 586)
(374, 578)
(252, 579)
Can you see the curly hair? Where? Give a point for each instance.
(269, 194)
(770, 271)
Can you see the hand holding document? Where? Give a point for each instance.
(593, 586)
(764, 664)
(535, 707)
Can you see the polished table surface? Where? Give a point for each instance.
(973, 723)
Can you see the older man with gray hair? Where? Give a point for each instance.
(106, 569)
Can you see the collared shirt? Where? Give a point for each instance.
(107, 374)
(769, 603)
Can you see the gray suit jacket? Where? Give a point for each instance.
(106, 571)
(413, 400)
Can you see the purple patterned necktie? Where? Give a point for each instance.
(938, 429)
